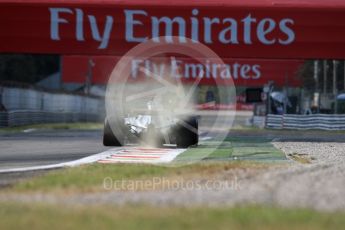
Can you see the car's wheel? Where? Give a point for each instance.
(187, 133)
(109, 139)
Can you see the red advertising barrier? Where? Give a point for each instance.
(243, 72)
(213, 106)
(237, 28)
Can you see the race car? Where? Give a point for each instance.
(151, 128)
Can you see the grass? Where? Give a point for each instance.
(40, 216)
(264, 131)
(55, 126)
(89, 178)
(234, 153)
(301, 158)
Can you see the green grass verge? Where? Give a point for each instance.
(301, 158)
(35, 216)
(265, 131)
(89, 178)
(55, 126)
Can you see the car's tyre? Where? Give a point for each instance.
(109, 139)
(187, 134)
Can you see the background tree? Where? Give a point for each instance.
(27, 68)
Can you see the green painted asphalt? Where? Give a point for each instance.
(239, 148)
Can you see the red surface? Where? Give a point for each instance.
(318, 26)
(253, 3)
(282, 72)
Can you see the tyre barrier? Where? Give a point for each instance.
(305, 122)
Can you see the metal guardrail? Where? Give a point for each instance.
(304, 122)
(30, 106)
(26, 117)
(14, 99)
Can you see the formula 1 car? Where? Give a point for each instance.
(151, 129)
